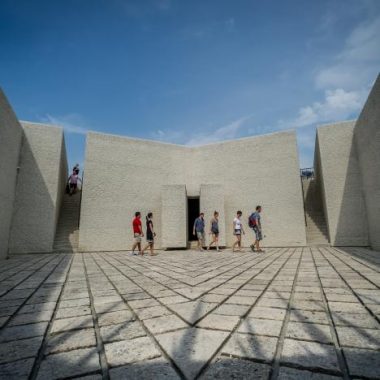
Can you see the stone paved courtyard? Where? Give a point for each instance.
(291, 313)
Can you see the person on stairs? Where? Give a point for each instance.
(73, 182)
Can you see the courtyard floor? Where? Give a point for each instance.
(290, 313)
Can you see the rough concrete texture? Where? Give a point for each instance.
(122, 335)
(367, 140)
(40, 185)
(124, 175)
(10, 142)
(339, 172)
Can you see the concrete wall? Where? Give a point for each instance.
(125, 175)
(40, 185)
(367, 142)
(10, 142)
(339, 173)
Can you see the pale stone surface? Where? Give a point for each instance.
(73, 323)
(257, 326)
(219, 322)
(115, 317)
(166, 323)
(123, 331)
(191, 348)
(360, 338)
(23, 331)
(297, 374)
(67, 364)
(71, 340)
(18, 370)
(192, 311)
(309, 331)
(19, 349)
(363, 362)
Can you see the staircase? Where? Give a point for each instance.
(316, 227)
(67, 233)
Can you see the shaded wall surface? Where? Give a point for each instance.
(367, 142)
(125, 175)
(39, 189)
(337, 169)
(10, 142)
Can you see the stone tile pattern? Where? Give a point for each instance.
(289, 314)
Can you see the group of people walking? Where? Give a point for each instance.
(254, 222)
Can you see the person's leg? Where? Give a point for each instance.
(217, 242)
(211, 242)
(239, 242)
(134, 247)
(139, 247)
(152, 249)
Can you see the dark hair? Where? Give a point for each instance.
(137, 213)
(150, 214)
(258, 207)
(239, 213)
(202, 213)
(216, 212)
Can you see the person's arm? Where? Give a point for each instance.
(258, 223)
(151, 228)
(210, 226)
(141, 230)
(195, 222)
(242, 228)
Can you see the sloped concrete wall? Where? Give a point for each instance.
(40, 185)
(367, 142)
(339, 172)
(126, 175)
(10, 143)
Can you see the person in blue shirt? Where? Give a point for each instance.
(199, 230)
(255, 224)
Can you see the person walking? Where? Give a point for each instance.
(137, 232)
(150, 234)
(254, 222)
(73, 182)
(238, 231)
(199, 230)
(76, 168)
(214, 231)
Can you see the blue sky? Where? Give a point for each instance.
(188, 72)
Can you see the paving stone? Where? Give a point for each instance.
(38, 307)
(71, 340)
(68, 312)
(130, 351)
(308, 305)
(172, 299)
(155, 369)
(213, 298)
(229, 368)
(359, 337)
(248, 346)
(19, 349)
(122, 331)
(303, 296)
(273, 302)
(267, 313)
(115, 317)
(23, 331)
(341, 297)
(143, 303)
(3, 321)
(241, 300)
(74, 303)
(191, 348)
(110, 307)
(309, 331)
(152, 312)
(24, 319)
(192, 311)
(309, 316)
(225, 309)
(297, 374)
(74, 323)
(358, 320)
(165, 323)
(17, 370)
(362, 362)
(309, 355)
(106, 299)
(257, 326)
(347, 307)
(67, 364)
(219, 322)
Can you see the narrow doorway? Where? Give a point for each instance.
(192, 214)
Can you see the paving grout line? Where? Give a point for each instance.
(218, 304)
(355, 250)
(373, 315)
(148, 333)
(216, 286)
(99, 340)
(41, 352)
(334, 335)
(27, 277)
(244, 316)
(281, 339)
(32, 294)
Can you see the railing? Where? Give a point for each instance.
(307, 173)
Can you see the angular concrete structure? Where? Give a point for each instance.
(367, 142)
(124, 175)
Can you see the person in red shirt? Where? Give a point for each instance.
(137, 232)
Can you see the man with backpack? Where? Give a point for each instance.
(254, 222)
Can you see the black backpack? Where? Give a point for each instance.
(252, 220)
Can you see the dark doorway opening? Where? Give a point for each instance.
(192, 214)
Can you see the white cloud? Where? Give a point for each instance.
(71, 123)
(226, 132)
(358, 63)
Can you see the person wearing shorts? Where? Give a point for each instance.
(255, 222)
(137, 232)
(214, 231)
(199, 230)
(150, 235)
(238, 231)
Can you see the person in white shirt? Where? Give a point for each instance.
(238, 230)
